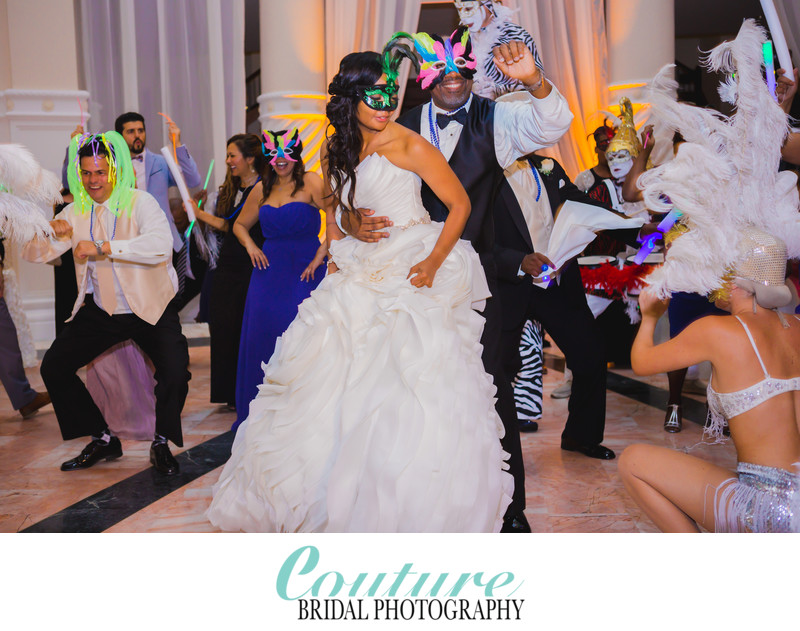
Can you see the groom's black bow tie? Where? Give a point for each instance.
(443, 120)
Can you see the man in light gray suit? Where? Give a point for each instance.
(153, 176)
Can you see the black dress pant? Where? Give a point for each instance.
(92, 332)
(564, 314)
(506, 409)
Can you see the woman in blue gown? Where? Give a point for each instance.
(287, 207)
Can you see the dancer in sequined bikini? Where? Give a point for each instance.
(739, 222)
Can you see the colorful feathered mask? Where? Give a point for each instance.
(277, 146)
(436, 57)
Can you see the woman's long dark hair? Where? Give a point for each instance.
(356, 70)
(298, 172)
(249, 146)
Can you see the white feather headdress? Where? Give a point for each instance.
(725, 176)
(23, 185)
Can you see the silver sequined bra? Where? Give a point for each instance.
(726, 405)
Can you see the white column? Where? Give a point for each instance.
(641, 39)
(127, 36)
(39, 109)
(215, 55)
(293, 88)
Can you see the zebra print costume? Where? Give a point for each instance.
(488, 80)
(528, 382)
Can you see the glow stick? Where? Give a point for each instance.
(172, 136)
(80, 107)
(543, 276)
(647, 247)
(184, 191)
(776, 31)
(770, 66)
(669, 221)
(205, 186)
(650, 242)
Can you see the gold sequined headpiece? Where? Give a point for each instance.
(626, 137)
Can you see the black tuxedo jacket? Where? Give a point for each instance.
(513, 241)
(475, 164)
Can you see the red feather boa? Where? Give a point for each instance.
(608, 281)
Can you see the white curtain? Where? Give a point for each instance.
(184, 58)
(357, 25)
(571, 36)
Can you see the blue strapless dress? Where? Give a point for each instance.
(290, 242)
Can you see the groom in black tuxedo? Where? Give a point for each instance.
(561, 308)
(479, 137)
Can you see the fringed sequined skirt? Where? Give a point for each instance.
(762, 499)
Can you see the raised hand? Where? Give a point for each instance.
(648, 140)
(515, 60)
(174, 131)
(786, 89)
(651, 306)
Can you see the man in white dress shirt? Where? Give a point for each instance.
(122, 250)
(533, 191)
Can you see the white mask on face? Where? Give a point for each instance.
(619, 163)
(470, 15)
(620, 169)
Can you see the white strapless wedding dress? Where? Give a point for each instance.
(375, 414)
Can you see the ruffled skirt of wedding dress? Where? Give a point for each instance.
(375, 414)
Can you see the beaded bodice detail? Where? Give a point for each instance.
(726, 405)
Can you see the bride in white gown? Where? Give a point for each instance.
(375, 414)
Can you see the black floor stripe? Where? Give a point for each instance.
(121, 500)
(691, 409)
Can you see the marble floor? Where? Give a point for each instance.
(566, 492)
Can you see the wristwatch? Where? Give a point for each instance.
(99, 245)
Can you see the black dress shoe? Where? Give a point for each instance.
(163, 461)
(93, 452)
(528, 426)
(593, 451)
(515, 523)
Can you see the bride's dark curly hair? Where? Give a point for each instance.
(356, 70)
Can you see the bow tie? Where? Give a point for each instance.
(140, 158)
(443, 120)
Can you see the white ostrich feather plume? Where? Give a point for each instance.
(725, 176)
(22, 175)
(21, 220)
(23, 185)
